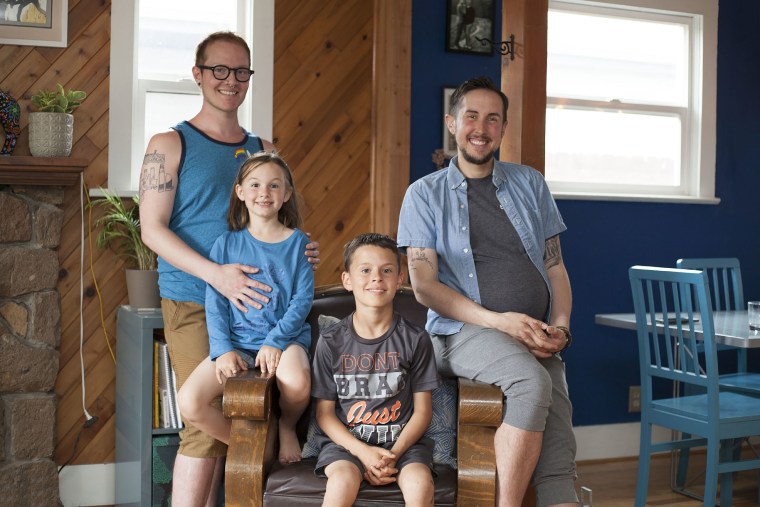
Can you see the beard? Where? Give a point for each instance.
(472, 159)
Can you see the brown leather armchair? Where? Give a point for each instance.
(254, 476)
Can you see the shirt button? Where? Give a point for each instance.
(501, 207)
(461, 206)
(470, 275)
(463, 184)
(464, 228)
(466, 250)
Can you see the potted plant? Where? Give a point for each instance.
(119, 228)
(51, 128)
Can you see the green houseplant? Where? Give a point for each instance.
(119, 228)
(51, 127)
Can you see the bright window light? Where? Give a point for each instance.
(626, 113)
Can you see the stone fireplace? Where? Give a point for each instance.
(30, 231)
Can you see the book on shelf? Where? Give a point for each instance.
(165, 390)
(156, 401)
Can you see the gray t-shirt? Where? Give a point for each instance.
(373, 381)
(507, 279)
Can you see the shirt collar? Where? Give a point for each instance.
(456, 178)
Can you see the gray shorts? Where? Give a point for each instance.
(330, 452)
(536, 399)
(249, 356)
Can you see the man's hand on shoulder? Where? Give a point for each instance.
(312, 253)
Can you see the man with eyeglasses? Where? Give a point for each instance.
(185, 184)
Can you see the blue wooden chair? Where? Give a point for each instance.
(726, 293)
(711, 418)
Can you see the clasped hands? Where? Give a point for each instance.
(542, 340)
(380, 465)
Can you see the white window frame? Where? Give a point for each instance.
(127, 96)
(698, 120)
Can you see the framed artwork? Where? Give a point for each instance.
(34, 22)
(468, 23)
(449, 143)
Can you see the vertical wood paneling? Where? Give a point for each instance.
(322, 116)
(391, 110)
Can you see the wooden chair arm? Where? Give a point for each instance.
(248, 396)
(248, 402)
(479, 415)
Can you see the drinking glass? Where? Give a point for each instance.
(753, 312)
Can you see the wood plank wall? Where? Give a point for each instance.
(322, 126)
(322, 113)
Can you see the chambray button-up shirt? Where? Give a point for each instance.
(435, 215)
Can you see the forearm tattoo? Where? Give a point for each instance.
(416, 255)
(552, 252)
(153, 175)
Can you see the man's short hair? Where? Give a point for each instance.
(476, 83)
(222, 36)
(369, 239)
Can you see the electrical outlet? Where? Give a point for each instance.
(634, 398)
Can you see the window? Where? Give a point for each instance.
(152, 88)
(630, 107)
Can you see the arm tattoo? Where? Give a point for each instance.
(417, 254)
(153, 175)
(552, 252)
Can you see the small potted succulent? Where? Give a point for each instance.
(120, 229)
(51, 128)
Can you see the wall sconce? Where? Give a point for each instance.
(506, 47)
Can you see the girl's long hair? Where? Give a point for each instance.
(288, 215)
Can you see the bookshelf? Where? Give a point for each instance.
(135, 434)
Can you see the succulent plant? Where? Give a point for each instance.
(58, 100)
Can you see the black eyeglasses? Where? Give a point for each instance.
(221, 72)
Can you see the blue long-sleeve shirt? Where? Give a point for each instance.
(284, 267)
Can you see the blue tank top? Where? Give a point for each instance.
(207, 170)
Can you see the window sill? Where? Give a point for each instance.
(672, 199)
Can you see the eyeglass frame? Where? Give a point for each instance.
(229, 70)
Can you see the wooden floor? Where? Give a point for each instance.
(613, 483)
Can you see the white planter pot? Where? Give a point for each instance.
(51, 134)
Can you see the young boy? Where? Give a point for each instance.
(373, 377)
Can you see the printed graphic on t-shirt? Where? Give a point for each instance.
(374, 382)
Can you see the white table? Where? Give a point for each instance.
(731, 328)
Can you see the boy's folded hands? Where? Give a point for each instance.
(379, 464)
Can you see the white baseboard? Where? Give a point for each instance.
(609, 441)
(83, 485)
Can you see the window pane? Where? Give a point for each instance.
(163, 110)
(170, 31)
(622, 148)
(601, 57)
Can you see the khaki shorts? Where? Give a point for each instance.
(187, 338)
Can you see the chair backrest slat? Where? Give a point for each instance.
(725, 275)
(671, 350)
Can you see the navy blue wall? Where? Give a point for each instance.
(605, 238)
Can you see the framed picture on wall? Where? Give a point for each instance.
(468, 23)
(34, 23)
(449, 143)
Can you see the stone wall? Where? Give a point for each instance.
(30, 231)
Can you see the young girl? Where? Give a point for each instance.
(262, 217)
